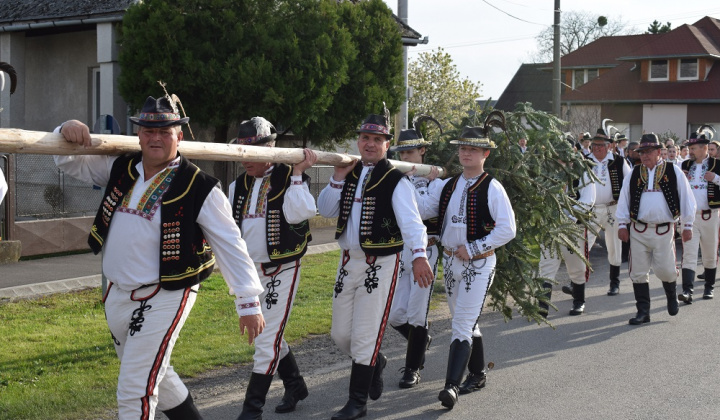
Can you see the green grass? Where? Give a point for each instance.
(57, 358)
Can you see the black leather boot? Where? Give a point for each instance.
(567, 289)
(688, 277)
(614, 280)
(415, 356)
(376, 386)
(477, 376)
(457, 360)
(578, 294)
(709, 283)
(642, 303)
(255, 394)
(545, 306)
(672, 297)
(295, 387)
(403, 329)
(360, 378)
(185, 411)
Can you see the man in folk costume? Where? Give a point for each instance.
(159, 216)
(271, 205)
(703, 174)
(409, 311)
(584, 192)
(476, 218)
(377, 216)
(621, 143)
(585, 140)
(652, 198)
(610, 169)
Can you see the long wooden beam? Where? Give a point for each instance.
(42, 143)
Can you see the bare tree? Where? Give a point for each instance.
(577, 30)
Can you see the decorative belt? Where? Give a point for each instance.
(612, 203)
(450, 252)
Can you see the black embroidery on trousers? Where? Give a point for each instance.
(468, 274)
(342, 273)
(449, 275)
(271, 298)
(138, 317)
(115, 340)
(372, 280)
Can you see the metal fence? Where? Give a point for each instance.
(45, 192)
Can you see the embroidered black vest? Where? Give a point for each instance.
(615, 169)
(664, 180)
(379, 231)
(479, 221)
(185, 256)
(285, 242)
(713, 191)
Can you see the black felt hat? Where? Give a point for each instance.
(376, 124)
(160, 112)
(476, 137)
(254, 132)
(649, 141)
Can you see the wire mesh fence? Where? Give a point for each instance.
(45, 192)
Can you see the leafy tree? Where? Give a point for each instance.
(658, 28)
(577, 29)
(375, 73)
(232, 59)
(438, 89)
(535, 183)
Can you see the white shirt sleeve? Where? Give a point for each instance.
(622, 213)
(432, 202)
(413, 230)
(92, 169)
(3, 186)
(502, 212)
(687, 199)
(231, 253)
(329, 199)
(299, 204)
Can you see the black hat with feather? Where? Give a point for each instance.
(480, 136)
(412, 138)
(255, 132)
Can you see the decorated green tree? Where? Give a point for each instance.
(539, 186)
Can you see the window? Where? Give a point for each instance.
(688, 69)
(659, 70)
(580, 77)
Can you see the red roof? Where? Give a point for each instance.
(605, 51)
(623, 85)
(684, 40)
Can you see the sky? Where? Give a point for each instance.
(487, 45)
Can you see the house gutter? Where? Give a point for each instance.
(58, 24)
(411, 42)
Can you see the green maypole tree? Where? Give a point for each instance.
(539, 186)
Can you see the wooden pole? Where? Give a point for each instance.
(41, 143)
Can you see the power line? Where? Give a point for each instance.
(514, 17)
(474, 43)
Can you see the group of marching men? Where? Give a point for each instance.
(163, 224)
(641, 205)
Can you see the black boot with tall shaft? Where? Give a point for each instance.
(476, 378)
(185, 411)
(415, 357)
(642, 303)
(688, 279)
(457, 361)
(709, 283)
(255, 394)
(295, 387)
(578, 294)
(614, 280)
(356, 407)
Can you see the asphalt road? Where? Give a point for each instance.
(593, 366)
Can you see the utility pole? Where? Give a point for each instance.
(403, 117)
(556, 61)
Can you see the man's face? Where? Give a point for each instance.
(649, 157)
(672, 153)
(683, 152)
(472, 157)
(372, 147)
(632, 152)
(698, 151)
(412, 155)
(664, 153)
(599, 149)
(712, 150)
(159, 145)
(586, 144)
(522, 142)
(622, 144)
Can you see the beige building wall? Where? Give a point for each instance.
(660, 119)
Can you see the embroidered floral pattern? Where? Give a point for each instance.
(152, 197)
